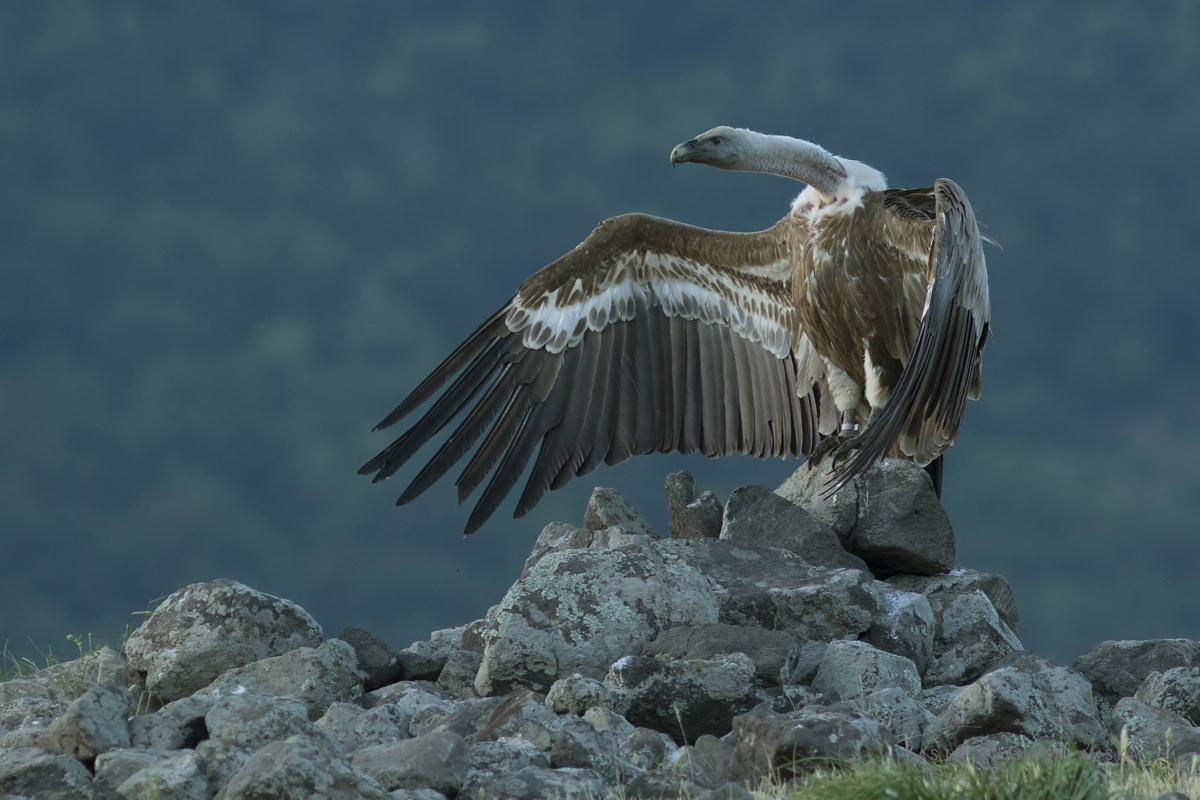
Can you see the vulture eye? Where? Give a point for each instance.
(716, 140)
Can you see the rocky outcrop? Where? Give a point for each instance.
(758, 641)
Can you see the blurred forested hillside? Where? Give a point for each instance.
(233, 235)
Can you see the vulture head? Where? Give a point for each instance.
(722, 147)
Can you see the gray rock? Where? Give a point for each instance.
(302, 766)
(93, 724)
(1147, 729)
(576, 694)
(936, 699)
(607, 509)
(420, 666)
(177, 725)
(30, 713)
(491, 717)
(969, 634)
(771, 588)
(533, 783)
(648, 749)
(690, 516)
(802, 663)
(1022, 694)
(578, 744)
(1176, 690)
(436, 760)
(965, 581)
(380, 665)
(416, 794)
(386, 724)
(67, 681)
(254, 719)
(317, 676)
(757, 516)
(558, 537)
(510, 754)
(339, 721)
(996, 748)
(706, 763)
(221, 760)
(1118, 668)
(851, 668)
(116, 766)
(576, 610)
(898, 713)
(767, 649)
(905, 625)
(730, 791)
(889, 516)
(180, 776)
(413, 695)
(30, 771)
(685, 699)
(458, 675)
(781, 746)
(605, 719)
(206, 629)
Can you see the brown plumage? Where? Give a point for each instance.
(655, 336)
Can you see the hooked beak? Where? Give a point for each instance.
(683, 152)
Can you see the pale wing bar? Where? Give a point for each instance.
(926, 406)
(668, 365)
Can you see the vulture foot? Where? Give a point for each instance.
(841, 445)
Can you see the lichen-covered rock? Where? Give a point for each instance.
(691, 516)
(317, 676)
(576, 694)
(31, 771)
(771, 745)
(1021, 694)
(936, 699)
(1146, 730)
(1118, 668)
(767, 649)
(754, 515)
(534, 783)
(180, 776)
(436, 760)
(64, 682)
(605, 719)
(558, 537)
(115, 766)
(905, 625)
(706, 763)
(96, 722)
(580, 610)
(889, 516)
(771, 588)
(578, 744)
(254, 719)
(965, 581)
(458, 675)
(898, 713)
(177, 725)
(996, 748)
(510, 754)
(685, 699)
(302, 766)
(209, 628)
(607, 509)
(221, 760)
(379, 665)
(851, 668)
(969, 634)
(802, 663)
(1176, 690)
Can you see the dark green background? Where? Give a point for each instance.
(235, 234)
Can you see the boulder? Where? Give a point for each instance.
(576, 694)
(302, 766)
(850, 669)
(436, 761)
(965, 581)
(685, 699)
(802, 663)
(772, 745)
(254, 719)
(578, 744)
(1153, 732)
(379, 665)
(179, 776)
(31, 771)
(607, 509)
(95, 723)
(889, 516)
(706, 763)
(904, 625)
(759, 517)
(766, 648)
(116, 766)
(534, 783)
(317, 676)
(898, 713)
(1118, 668)
(1022, 694)
(580, 610)
(458, 674)
(206, 629)
(177, 725)
(691, 516)
(1177, 690)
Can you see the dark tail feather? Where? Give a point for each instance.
(934, 468)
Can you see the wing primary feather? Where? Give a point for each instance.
(649, 379)
(745, 398)
(624, 435)
(678, 352)
(598, 428)
(596, 389)
(729, 388)
(689, 431)
(607, 419)
(712, 380)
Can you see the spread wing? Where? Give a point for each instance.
(650, 336)
(926, 406)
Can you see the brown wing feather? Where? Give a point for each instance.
(926, 406)
(649, 336)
